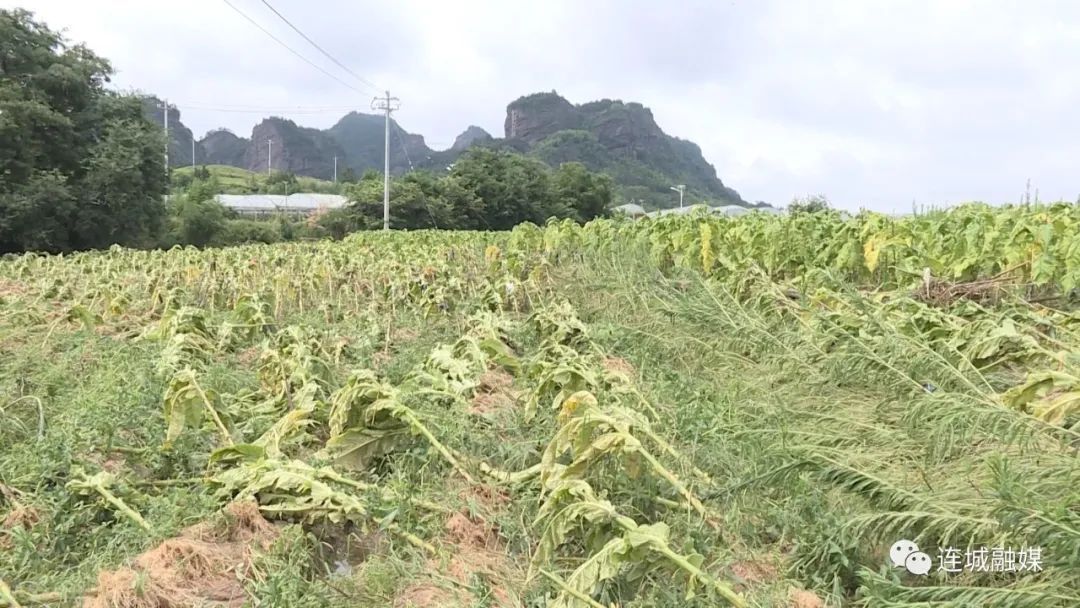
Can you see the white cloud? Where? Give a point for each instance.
(871, 103)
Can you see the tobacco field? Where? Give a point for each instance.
(684, 411)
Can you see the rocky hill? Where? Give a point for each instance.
(179, 135)
(223, 147)
(472, 135)
(621, 139)
(294, 149)
(616, 137)
(362, 136)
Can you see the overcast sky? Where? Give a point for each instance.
(874, 104)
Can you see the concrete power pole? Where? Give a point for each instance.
(335, 169)
(387, 104)
(269, 154)
(193, 152)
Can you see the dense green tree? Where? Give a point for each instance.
(37, 214)
(511, 188)
(338, 222)
(203, 189)
(588, 194)
(417, 202)
(285, 228)
(348, 176)
(180, 181)
(195, 222)
(486, 190)
(464, 203)
(240, 231)
(809, 204)
(80, 167)
(123, 186)
(280, 182)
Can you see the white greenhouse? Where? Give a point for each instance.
(301, 203)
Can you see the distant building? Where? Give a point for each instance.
(730, 210)
(300, 203)
(631, 209)
(677, 210)
(725, 210)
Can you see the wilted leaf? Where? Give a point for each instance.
(356, 448)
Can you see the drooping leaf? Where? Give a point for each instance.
(356, 448)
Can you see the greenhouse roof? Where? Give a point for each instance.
(270, 202)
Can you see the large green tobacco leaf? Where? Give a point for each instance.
(185, 404)
(601, 566)
(357, 448)
(291, 488)
(570, 502)
(100, 484)
(239, 452)
(998, 340)
(349, 403)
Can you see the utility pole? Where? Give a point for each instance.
(681, 188)
(166, 137)
(387, 104)
(335, 169)
(192, 152)
(269, 154)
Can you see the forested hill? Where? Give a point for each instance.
(619, 138)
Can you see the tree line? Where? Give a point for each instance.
(82, 168)
(484, 190)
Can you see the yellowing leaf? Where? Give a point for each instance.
(1056, 410)
(872, 251)
(707, 258)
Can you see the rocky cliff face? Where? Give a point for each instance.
(356, 140)
(179, 135)
(616, 137)
(534, 117)
(619, 138)
(223, 147)
(470, 136)
(625, 129)
(294, 149)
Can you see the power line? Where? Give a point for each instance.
(320, 49)
(281, 111)
(250, 106)
(201, 106)
(288, 48)
(427, 206)
(401, 141)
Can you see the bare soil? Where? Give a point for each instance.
(475, 550)
(619, 366)
(494, 394)
(801, 598)
(754, 572)
(205, 564)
